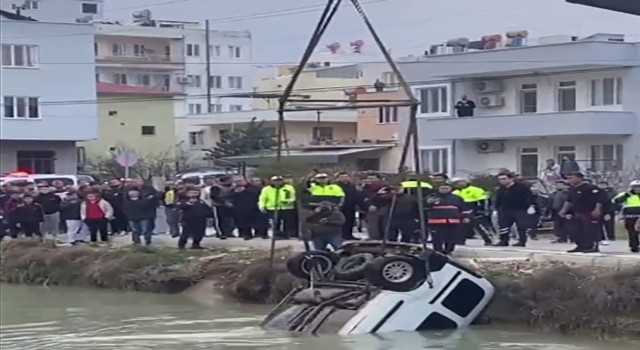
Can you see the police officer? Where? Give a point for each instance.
(475, 199)
(412, 183)
(444, 218)
(281, 198)
(584, 210)
(630, 201)
(514, 203)
(321, 190)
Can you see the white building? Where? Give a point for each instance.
(59, 11)
(565, 96)
(48, 94)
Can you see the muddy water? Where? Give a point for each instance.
(61, 318)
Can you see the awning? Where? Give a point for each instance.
(305, 156)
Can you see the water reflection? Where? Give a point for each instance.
(62, 318)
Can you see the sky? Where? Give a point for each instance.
(281, 28)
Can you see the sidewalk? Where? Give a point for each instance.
(615, 255)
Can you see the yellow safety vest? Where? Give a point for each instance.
(415, 184)
(272, 198)
(330, 190)
(471, 194)
(170, 197)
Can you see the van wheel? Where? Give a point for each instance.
(302, 264)
(396, 273)
(352, 268)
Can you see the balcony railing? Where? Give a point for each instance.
(140, 58)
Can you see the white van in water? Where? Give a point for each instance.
(371, 287)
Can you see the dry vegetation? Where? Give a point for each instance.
(550, 297)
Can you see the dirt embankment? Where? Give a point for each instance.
(549, 297)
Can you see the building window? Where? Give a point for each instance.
(434, 100)
(120, 78)
(566, 96)
(606, 92)
(435, 160)
(148, 130)
(215, 50)
(529, 98)
(235, 108)
(89, 8)
(19, 55)
(196, 138)
(194, 80)
(322, 133)
(195, 108)
(235, 82)
(138, 50)
(606, 158)
(193, 50)
(118, 49)
(529, 162)
(389, 78)
(21, 107)
(36, 162)
(388, 114)
(235, 51)
(215, 82)
(31, 5)
(216, 108)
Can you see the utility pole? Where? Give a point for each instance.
(207, 39)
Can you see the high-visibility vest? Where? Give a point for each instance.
(273, 198)
(170, 197)
(471, 194)
(329, 190)
(415, 184)
(631, 206)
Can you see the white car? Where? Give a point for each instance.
(368, 287)
(19, 179)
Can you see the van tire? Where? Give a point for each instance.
(351, 268)
(302, 264)
(396, 273)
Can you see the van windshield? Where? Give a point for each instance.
(50, 180)
(194, 180)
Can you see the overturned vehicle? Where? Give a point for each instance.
(372, 286)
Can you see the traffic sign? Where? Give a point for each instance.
(127, 158)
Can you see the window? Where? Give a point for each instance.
(606, 157)
(118, 49)
(120, 78)
(138, 50)
(216, 108)
(529, 98)
(21, 107)
(388, 114)
(148, 130)
(193, 50)
(215, 50)
(143, 79)
(566, 96)
(435, 160)
(464, 298)
(215, 82)
(235, 108)
(434, 100)
(36, 162)
(322, 133)
(196, 138)
(235, 52)
(195, 80)
(89, 8)
(195, 108)
(31, 5)
(606, 92)
(389, 78)
(19, 55)
(565, 151)
(235, 82)
(529, 162)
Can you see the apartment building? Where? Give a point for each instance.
(560, 97)
(48, 94)
(57, 11)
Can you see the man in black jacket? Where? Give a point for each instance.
(50, 203)
(194, 215)
(515, 203)
(609, 213)
(352, 199)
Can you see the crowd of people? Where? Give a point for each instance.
(326, 210)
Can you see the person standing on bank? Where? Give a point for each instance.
(608, 229)
(584, 211)
(194, 215)
(352, 199)
(630, 201)
(465, 107)
(281, 198)
(50, 203)
(514, 202)
(444, 218)
(141, 212)
(96, 213)
(220, 195)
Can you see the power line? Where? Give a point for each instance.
(322, 89)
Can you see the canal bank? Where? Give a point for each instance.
(598, 301)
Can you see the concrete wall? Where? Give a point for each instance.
(64, 81)
(66, 161)
(369, 126)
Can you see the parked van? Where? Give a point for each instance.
(67, 180)
(199, 178)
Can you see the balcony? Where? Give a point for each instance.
(142, 61)
(271, 115)
(119, 89)
(577, 123)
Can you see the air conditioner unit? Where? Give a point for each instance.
(184, 80)
(486, 86)
(490, 146)
(490, 101)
